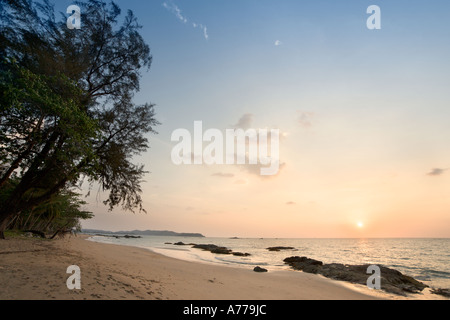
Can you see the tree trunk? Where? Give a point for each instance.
(8, 210)
(48, 224)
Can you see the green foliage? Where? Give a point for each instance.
(66, 110)
(63, 212)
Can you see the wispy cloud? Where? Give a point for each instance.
(436, 172)
(172, 7)
(223, 175)
(278, 43)
(175, 10)
(305, 119)
(256, 169)
(203, 28)
(245, 122)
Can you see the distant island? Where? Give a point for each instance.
(145, 233)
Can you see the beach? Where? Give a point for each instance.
(34, 269)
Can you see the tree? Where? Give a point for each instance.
(60, 214)
(66, 104)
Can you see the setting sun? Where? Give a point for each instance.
(360, 225)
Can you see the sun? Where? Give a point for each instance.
(360, 225)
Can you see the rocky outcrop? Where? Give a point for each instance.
(119, 237)
(280, 248)
(304, 264)
(182, 244)
(219, 250)
(441, 292)
(206, 247)
(240, 254)
(392, 281)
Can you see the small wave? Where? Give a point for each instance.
(171, 249)
(249, 263)
(437, 274)
(423, 278)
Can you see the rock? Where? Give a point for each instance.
(180, 244)
(392, 280)
(260, 270)
(441, 292)
(218, 250)
(118, 237)
(280, 248)
(304, 264)
(168, 243)
(206, 247)
(221, 250)
(240, 254)
(303, 260)
(132, 237)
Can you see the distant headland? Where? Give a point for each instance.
(144, 233)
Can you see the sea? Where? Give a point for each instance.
(426, 260)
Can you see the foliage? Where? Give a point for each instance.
(66, 105)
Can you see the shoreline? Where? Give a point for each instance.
(36, 270)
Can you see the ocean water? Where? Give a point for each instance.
(427, 260)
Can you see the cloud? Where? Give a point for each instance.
(437, 172)
(290, 203)
(223, 175)
(245, 122)
(305, 119)
(172, 7)
(175, 10)
(255, 169)
(278, 43)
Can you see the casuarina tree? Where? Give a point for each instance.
(66, 104)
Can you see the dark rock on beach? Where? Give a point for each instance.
(304, 264)
(392, 281)
(240, 254)
(132, 237)
(260, 270)
(441, 292)
(206, 247)
(280, 248)
(118, 237)
(180, 244)
(221, 250)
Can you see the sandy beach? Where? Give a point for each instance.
(32, 269)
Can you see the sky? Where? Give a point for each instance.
(363, 116)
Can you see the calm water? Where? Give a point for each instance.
(427, 260)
